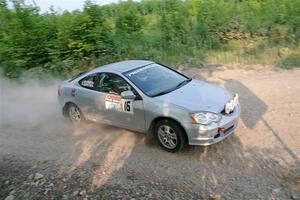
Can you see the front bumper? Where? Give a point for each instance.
(209, 134)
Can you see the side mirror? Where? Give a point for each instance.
(128, 95)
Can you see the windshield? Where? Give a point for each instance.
(155, 79)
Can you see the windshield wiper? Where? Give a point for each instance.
(183, 83)
(172, 89)
(162, 93)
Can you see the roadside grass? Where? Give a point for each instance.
(253, 52)
(245, 54)
(291, 61)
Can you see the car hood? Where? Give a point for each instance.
(198, 96)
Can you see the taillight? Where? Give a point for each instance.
(73, 92)
(58, 92)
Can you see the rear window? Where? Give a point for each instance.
(88, 82)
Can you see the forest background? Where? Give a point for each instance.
(190, 33)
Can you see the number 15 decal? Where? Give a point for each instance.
(127, 106)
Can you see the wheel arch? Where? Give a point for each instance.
(157, 119)
(65, 108)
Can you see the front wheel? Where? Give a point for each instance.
(75, 114)
(170, 135)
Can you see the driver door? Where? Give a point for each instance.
(120, 112)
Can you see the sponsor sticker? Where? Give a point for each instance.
(116, 103)
(139, 70)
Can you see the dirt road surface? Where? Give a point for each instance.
(43, 157)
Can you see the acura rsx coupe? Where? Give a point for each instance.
(148, 97)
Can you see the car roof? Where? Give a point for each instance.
(123, 66)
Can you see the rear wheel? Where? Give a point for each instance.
(74, 114)
(170, 135)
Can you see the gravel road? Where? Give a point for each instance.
(43, 157)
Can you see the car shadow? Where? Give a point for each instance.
(252, 107)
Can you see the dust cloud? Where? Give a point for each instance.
(29, 103)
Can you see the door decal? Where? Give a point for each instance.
(127, 105)
(116, 103)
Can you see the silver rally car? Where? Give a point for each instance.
(148, 97)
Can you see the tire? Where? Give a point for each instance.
(170, 135)
(74, 114)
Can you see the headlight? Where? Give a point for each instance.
(205, 118)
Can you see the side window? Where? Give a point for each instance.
(102, 83)
(88, 82)
(112, 83)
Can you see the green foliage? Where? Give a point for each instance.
(290, 61)
(170, 31)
